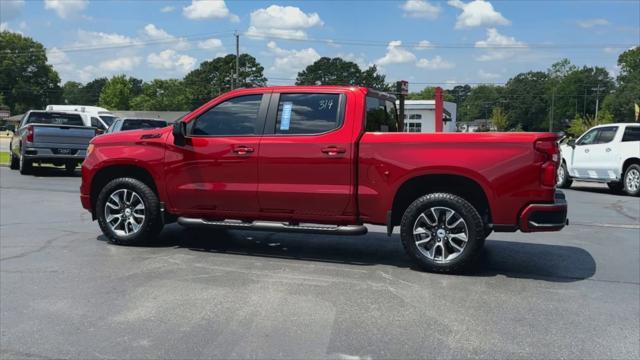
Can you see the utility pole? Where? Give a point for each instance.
(553, 100)
(237, 75)
(597, 100)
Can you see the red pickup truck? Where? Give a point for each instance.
(323, 159)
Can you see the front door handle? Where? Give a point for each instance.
(586, 150)
(608, 149)
(242, 150)
(333, 150)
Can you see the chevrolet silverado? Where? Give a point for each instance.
(323, 159)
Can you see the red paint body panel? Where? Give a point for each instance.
(290, 178)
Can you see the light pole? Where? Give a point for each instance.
(597, 90)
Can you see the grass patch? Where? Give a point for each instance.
(4, 158)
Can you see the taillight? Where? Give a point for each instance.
(550, 152)
(29, 133)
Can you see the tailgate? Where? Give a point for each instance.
(62, 134)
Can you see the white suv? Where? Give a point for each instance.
(607, 154)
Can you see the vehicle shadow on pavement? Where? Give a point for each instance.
(50, 171)
(552, 263)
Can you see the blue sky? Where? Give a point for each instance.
(424, 42)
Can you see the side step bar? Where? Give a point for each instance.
(275, 226)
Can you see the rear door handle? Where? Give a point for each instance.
(242, 150)
(608, 149)
(586, 150)
(333, 150)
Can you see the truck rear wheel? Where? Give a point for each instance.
(26, 166)
(442, 232)
(128, 212)
(632, 180)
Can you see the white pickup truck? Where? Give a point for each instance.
(607, 154)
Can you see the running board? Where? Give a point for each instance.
(275, 226)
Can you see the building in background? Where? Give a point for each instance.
(420, 116)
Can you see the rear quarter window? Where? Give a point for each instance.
(631, 133)
(381, 115)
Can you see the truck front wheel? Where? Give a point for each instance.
(563, 179)
(442, 232)
(128, 212)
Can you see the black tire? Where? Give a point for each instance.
(564, 180)
(152, 223)
(25, 165)
(474, 226)
(631, 179)
(15, 162)
(70, 167)
(615, 186)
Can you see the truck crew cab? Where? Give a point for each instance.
(323, 159)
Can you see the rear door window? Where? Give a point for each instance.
(631, 133)
(309, 113)
(381, 115)
(606, 134)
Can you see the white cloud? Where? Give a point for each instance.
(477, 13)
(5, 27)
(66, 8)
(437, 63)
(487, 75)
(498, 46)
(68, 70)
(126, 63)
(290, 62)
(396, 54)
(170, 60)
(99, 39)
(155, 33)
(208, 9)
(424, 45)
(168, 9)
(210, 44)
(10, 9)
(589, 23)
(282, 21)
(421, 9)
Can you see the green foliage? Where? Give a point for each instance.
(73, 93)
(480, 102)
(162, 95)
(528, 100)
(26, 80)
(621, 102)
(429, 93)
(336, 71)
(116, 94)
(500, 119)
(580, 124)
(91, 91)
(215, 77)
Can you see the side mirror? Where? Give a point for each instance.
(572, 143)
(179, 133)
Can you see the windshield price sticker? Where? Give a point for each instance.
(285, 118)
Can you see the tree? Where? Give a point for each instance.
(621, 102)
(214, 77)
(580, 124)
(336, 71)
(500, 119)
(480, 102)
(116, 94)
(459, 93)
(528, 102)
(162, 95)
(91, 91)
(26, 80)
(429, 93)
(73, 93)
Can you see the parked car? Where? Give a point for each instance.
(58, 138)
(99, 118)
(135, 124)
(323, 159)
(606, 154)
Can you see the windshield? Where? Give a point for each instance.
(54, 118)
(108, 119)
(142, 124)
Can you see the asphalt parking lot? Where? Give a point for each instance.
(67, 293)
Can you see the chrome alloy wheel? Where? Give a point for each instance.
(560, 175)
(632, 180)
(440, 234)
(124, 212)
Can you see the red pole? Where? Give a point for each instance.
(439, 109)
